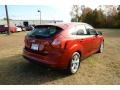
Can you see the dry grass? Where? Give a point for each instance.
(97, 69)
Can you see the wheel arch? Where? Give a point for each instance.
(76, 48)
(79, 53)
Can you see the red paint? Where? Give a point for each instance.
(3, 29)
(58, 49)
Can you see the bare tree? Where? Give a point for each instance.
(76, 12)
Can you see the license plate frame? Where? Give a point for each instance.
(35, 47)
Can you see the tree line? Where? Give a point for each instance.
(101, 17)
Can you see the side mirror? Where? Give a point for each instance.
(99, 33)
(96, 34)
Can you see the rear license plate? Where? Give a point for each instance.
(34, 46)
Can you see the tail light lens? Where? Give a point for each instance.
(26, 42)
(25, 39)
(56, 43)
(59, 42)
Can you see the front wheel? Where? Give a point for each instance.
(101, 47)
(74, 63)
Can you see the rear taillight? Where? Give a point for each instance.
(56, 43)
(25, 39)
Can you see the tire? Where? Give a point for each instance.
(74, 65)
(101, 47)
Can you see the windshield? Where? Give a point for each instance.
(44, 31)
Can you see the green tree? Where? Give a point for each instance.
(88, 18)
(100, 18)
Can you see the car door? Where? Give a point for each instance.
(95, 41)
(84, 39)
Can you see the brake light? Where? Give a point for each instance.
(26, 42)
(56, 43)
(25, 39)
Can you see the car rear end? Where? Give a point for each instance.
(45, 44)
(2, 29)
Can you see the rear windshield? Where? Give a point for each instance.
(44, 31)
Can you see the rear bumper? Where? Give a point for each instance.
(56, 61)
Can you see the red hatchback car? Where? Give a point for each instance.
(62, 45)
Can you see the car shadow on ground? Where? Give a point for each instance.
(16, 70)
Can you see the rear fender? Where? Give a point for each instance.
(76, 47)
(72, 49)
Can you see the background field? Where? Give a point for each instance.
(97, 69)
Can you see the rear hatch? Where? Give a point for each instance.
(39, 40)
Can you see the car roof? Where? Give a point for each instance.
(63, 25)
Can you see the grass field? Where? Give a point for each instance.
(101, 68)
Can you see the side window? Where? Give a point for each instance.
(90, 30)
(73, 31)
(78, 30)
(81, 30)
